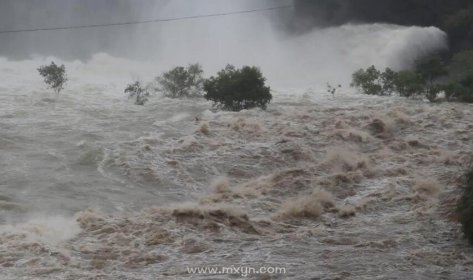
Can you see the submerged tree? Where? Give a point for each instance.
(182, 82)
(333, 89)
(409, 84)
(421, 82)
(368, 81)
(388, 80)
(237, 89)
(429, 71)
(460, 90)
(54, 76)
(138, 92)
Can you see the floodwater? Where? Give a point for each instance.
(343, 187)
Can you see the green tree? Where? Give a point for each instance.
(459, 27)
(388, 80)
(460, 90)
(409, 84)
(54, 76)
(237, 89)
(452, 90)
(431, 92)
(368, 81)
(429, 71)
(462, 64)
(137, 91)
(182, 82)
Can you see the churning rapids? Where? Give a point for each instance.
(350, 187)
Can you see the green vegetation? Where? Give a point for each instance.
(422, 82)
(388, 80)
(455, 17)
(373, 82)
(237, 89)
(459, 26)
(408, 84)
(465, 206)
(54, 76)
(461, 90)
(429, 71)
(182, 82)
(368, 81)
(232, 89)
(460, 85)
(137, 91)
(461, 65)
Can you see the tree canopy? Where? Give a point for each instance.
(237, 89)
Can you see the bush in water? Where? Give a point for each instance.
(137, 91)
(237, 89)
(368, 81)
(430, 70)
(333, 89)
(54, 76)
(182, 82)
(461, 90)
(407, 83)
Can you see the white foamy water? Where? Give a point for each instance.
(92, 186)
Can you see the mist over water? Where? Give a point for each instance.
(262, 39)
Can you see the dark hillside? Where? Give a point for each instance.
(453, 16)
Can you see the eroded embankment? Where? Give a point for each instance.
(357, 191)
